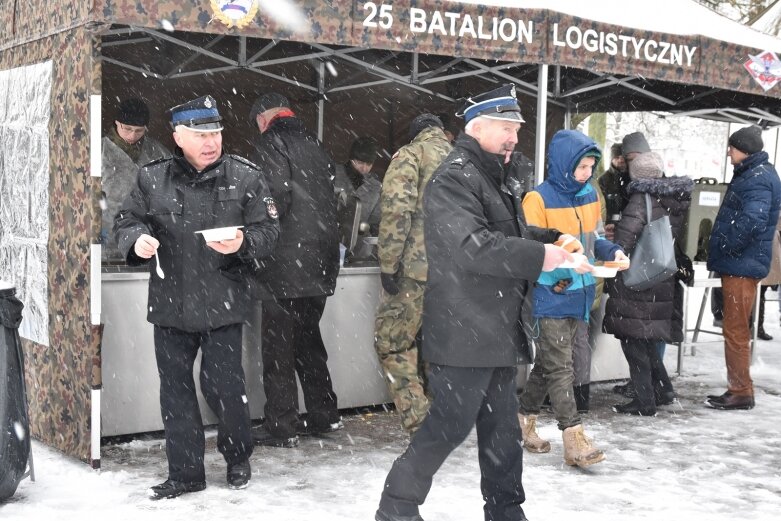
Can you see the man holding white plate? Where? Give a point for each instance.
(199, 295)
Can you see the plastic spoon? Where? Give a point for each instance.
(158, 269)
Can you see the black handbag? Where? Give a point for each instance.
(653, 260)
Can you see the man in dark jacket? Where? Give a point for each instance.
(201, 297)
(740, 251)
(481, 257)
(296, 279)
(613, 185)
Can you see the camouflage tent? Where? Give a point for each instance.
(353, 67)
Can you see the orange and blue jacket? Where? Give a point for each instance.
(571, 207)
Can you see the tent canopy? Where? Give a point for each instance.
(607, 56)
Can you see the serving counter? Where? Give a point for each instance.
(130, 402)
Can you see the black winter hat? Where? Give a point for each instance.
(616, 150)
(747, 140)
(133, 111)
(364, 149)
(635, 142)
(268, 101)
(422, 122)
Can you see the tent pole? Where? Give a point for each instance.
(320, 99)
(542, 116)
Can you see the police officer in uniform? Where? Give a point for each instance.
(201, 297)
(481, 259)
(403, 265)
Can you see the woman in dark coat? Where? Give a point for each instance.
(640, 319)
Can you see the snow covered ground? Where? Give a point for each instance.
(687, 463)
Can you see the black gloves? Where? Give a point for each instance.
(389, 283)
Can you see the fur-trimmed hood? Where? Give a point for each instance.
(679, 187)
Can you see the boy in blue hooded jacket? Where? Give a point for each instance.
(563, 297)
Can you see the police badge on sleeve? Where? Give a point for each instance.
(271, 207)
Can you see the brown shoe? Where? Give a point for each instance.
(532, 440)
(718, 396)
(578, 449)
(731, 402)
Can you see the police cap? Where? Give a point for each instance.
(198, 115)
(499, 103)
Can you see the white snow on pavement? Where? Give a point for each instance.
(689, 462)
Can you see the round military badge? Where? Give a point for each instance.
(236, 13)
(271, 207)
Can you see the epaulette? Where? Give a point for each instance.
(244, 161)
(156, 161)
(458, 162)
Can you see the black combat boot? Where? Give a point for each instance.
(172, 488)
(262, 436)
(239, 475)
(634, 408)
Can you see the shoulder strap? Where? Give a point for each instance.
(648, 206)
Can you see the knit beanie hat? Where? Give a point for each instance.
(648, 165)
(422, 122)
(268, 101)
(616, 150)
(748, 140)
(635, 142)
(134, 112)
(364, 149)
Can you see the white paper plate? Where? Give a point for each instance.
(219, 234)
(604, 273)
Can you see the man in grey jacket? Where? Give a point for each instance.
(126, 148)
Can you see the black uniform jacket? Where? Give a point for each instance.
(300, 176)
(202, 289)
(482, 258)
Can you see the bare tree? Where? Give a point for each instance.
(743, 11)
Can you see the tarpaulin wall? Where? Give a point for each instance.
(60, 366)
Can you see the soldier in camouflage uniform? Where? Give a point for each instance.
(403, 265)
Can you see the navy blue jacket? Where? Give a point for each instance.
(742, 236)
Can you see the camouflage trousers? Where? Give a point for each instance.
(395, 331)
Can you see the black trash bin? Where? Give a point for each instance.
(14, 423)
